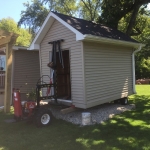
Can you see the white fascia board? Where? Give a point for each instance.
(19, 48)
(34, 47)
(88, 37)
(42, 32)
(16, 48)
(46, 26)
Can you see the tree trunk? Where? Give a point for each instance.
(132, 20)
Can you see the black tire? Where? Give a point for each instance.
(116, 101)
(124, 101)
(43, 117)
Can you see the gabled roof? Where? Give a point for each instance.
(84, 30)
(89, 27)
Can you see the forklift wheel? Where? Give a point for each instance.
(124, 101)
(43, 117)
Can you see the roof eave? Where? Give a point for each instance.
(88, 37)
(19, 48)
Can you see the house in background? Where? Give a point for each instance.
(25, 71)
(98, 60)
(2, 66)
(2, 74)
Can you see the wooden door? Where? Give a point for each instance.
(63, 77)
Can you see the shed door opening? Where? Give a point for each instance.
(63, 77)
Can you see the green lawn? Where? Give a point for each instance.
(127, 131)
(143, 89)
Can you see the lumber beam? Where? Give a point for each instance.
(8, 91)
(8, 74)
(5, 40)
(68, 110)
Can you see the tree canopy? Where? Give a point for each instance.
(8, 24)
(107, 12)
(129, 16)
(114, 10)
(37, 10)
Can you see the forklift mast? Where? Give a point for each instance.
(56, 45)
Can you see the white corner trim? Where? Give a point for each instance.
(133, 66)
(83, 71)
(89, 37)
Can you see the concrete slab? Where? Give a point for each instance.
(10, 120)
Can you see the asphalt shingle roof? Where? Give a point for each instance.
(88, 27)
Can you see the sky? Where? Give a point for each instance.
(13, 8)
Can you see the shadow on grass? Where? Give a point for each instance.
(129, 130)
(126, 131)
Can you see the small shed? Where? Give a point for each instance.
(25, 71)
(98, 60)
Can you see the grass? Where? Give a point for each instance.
(143, 89)
(127, 131)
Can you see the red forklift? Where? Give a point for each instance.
(33, 111)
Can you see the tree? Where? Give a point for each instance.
(142, 58)
(89, 9)
(131, 17)
(37, 10)
(109, 12)
(114, 10)
(33, 16)
(8, 24)
(137, 28)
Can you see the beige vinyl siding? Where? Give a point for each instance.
(108, 72)
(56, 32)
(26, 70)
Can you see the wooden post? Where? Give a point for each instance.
(8, 39)
(8, 90)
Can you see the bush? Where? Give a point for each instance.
(31, 95)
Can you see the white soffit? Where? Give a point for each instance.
(88, 37)
(19, 48)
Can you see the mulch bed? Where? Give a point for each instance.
(143, 81)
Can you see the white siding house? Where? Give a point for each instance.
(101, 59)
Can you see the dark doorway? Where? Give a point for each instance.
(63, 77)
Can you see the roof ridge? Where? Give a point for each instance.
(96, 29)
(55, 12)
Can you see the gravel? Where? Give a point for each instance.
(99, 114)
